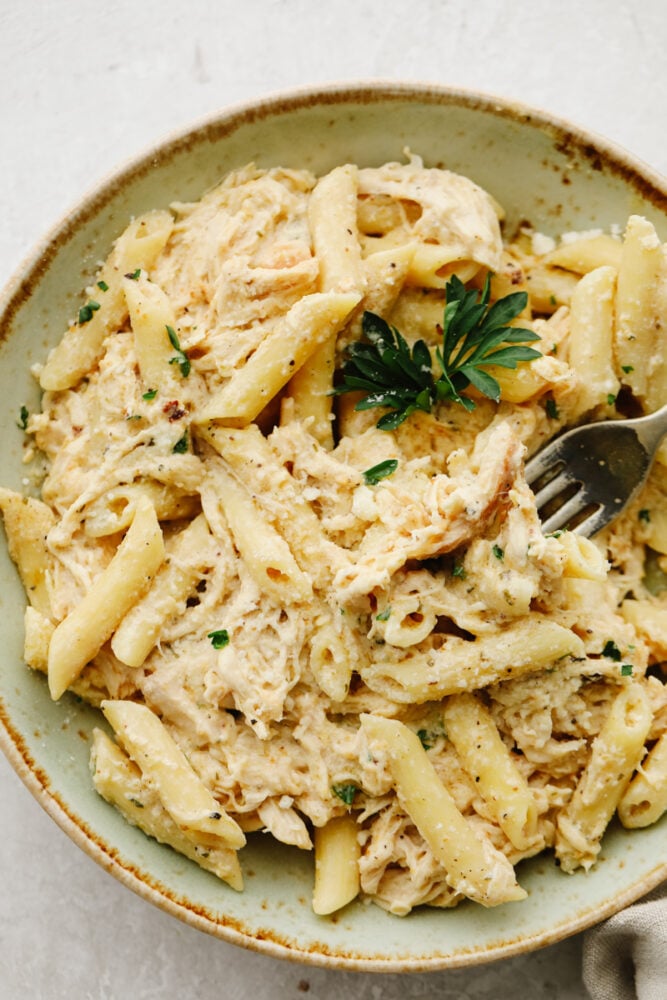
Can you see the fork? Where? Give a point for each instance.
(588, 475)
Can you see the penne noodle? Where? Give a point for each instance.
(182, 793)
(336, 865)
(81, 635)
(473, 865)
(136, 249)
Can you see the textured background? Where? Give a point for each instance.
(82, 87)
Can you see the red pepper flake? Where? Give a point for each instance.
(174, 410)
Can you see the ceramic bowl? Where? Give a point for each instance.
(539, 169)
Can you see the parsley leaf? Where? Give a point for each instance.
(102, 285)
(626, 670)
(384, 616)
(474, 335)
(425, 738)
(380, 471)
(23, 418)
(644, 515)
(149, 394)
(498, 552)
(552, 409)
(611, 650)
(181, 359)
(345, 793)
(181, 445)
(219, 638)
(86, 312)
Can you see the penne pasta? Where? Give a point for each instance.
(336, 865)
(309, 324)
(81, 635)
(473, 865)
(616, 752)
(135, 250)
(489, 763)
(121, 783)
(182, 793)
(461, 665)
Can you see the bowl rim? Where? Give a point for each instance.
(18, 288)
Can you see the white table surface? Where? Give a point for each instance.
(83, 86)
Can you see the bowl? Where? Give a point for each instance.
(538, 168)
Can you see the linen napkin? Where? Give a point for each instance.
(625, 958)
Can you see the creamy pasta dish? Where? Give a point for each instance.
(284, 539)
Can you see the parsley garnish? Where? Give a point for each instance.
(459, 571)
(23, 418)
(644, 515)
(626, 670)
(627, 368)
(552, 410)
(425, 738)
(393, 374)
(384, 616)
(86, 312)
(149, 394)
(498, 552)
(611, 398)
(219, 638)
(102, 285)
(134, 275)
(181, 359)
(380, 471)
(345, 792)
(181, 445)
(611, 650)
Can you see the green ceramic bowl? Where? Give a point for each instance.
(538, 168)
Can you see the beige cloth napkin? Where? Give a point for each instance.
(625, 958)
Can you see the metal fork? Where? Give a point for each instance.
(587, 476)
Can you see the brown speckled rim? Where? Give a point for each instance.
(592, 148)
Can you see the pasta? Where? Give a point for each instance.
(293, 621)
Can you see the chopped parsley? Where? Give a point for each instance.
(134, 275)
(644, 515)
(345, 793)
(23, 418)
(219, 638)
(552, 410)
(86, 312)
(181, 445)
(384, 615)
(459, 571)
(498, 552)
(611, 650)
(380, 471)
(627, 368)
(181, 359)
(626, 670)
(149, 394)
(425, 738)
(102, 285)
(611, 398)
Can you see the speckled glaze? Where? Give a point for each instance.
(539, 169)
